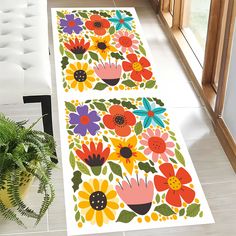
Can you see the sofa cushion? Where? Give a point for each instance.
(24, 42)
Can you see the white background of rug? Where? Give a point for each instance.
(62, 96)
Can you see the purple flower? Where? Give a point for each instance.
(84, 121)
(71, 23)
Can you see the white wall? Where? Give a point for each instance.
(229, 113)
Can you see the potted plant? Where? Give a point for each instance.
(25, 154)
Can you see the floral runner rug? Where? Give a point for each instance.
(125, 164)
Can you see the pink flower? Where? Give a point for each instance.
(110, 73)
(126, 41)
(157, 144)
(137, 195)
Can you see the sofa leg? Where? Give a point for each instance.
(46, 110)
(46, 107)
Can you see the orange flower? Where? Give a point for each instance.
(119, 120)
(175, 184)
(97, 24)
(138, 67)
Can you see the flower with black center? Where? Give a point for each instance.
(102, 46)
(120, 120)
(110, 73)
(77, 46)
(126, 153)
(94, 156)
(137, 194)
(79, 76)
(98, 201)
(97, 24)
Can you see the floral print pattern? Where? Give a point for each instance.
(108, 39)
(127, 164)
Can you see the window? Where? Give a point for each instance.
(194, 25)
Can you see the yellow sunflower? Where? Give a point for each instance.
(79, 76)
(126, 152)
(98, 201)
(102, 46)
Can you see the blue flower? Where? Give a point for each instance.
(150, 114)
(121, 21)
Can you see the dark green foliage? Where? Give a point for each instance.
(24, 152)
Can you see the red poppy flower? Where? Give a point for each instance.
(175, 183)
(97, 24)
(77, 47)
(95, 156)
(138, 67)
(119, 120)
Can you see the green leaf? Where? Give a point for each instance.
(179, 157)
(128, 105)
(76, 207)
(70, 55)
(100, 106)
(105, 138)
(146, 167)
(142, 50)
(126, 216)
(173, 160)
(158, 198)
(115, 168)
(84, 15)
(77, 216)
(112, 30)
(129, 83)
(201, 214)
(79, 56)
(96, 170)
(110, 177)
(70, 106)
(71, 145)
(171, 133)
(164, 210)
(104, 170)
(181, 212)
(117, 55)
(100, 86)
(178, 146)
(60, 14)
(76, 180)
(72, 160)
(150, 84)
(74, 198)
(61, 48)
(64, 63)
(83, 168)
(82, 219)
(138, 128)
(102, 125)
(94, 56)
(193, 210)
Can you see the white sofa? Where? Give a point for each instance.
(24, 55)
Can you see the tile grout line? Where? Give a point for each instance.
(34, 232)
(47, 221)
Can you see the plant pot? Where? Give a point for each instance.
(26, 180)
